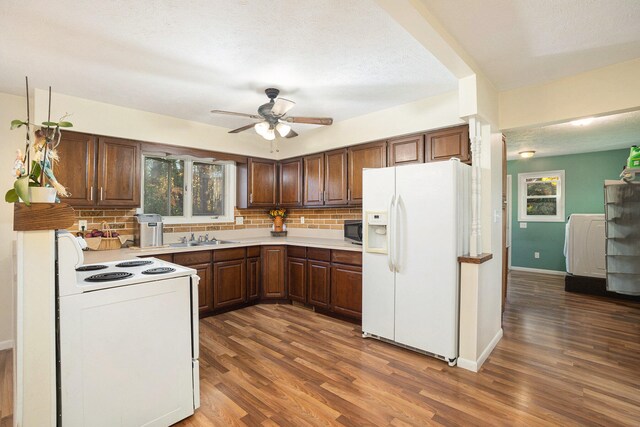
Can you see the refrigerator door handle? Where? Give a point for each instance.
(397, 236)
(390, 239)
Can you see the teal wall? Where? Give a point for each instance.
(584, 179)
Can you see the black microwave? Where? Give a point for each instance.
(353, 231)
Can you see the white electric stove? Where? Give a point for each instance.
(128, 340)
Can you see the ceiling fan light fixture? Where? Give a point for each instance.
(283, 129)
(269, 135)
(261, 128)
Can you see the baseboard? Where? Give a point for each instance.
(539, 270)
(6, 345)
(474, 365)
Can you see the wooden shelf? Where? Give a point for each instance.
(42, 216)
(481, 258)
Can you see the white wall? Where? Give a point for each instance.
(431, 113)
(112, 120)
(11, 107)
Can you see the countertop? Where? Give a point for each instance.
(93, 257)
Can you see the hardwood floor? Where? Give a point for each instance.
(565, 359)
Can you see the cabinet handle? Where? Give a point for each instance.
(349, 194)
(251, 198)
(321, 196)
(100, 193)
(324, 197)
(91, 193)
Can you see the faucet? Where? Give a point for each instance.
(193, 238)
(200, 239)
(183, 239)
(206, 237)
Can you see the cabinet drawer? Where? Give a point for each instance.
(228, 254)
(163, 257)
(253, 251)
(297, 251)
(191, 258)
(319, 254)
(346, 257)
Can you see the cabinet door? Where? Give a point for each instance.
(319, 281)
(254, 273)
(205, 287)
(446, 143)
(314, 180)
(229, 283)
(118, 173)
(77, 167)
(273, 277)
(346, 290)
(291, 183)
(406, 150)
(335, 180)
(372, 155)
(296, 279)
(262, 182)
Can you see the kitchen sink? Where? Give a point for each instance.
(209, 243)
(185, 245)
(216, 242)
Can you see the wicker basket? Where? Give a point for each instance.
(105, 243)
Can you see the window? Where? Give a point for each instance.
(185, 190)
(541, 196)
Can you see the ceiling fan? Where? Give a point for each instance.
(272, 118)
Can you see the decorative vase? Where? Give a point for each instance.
(42, 194)
(277, 223)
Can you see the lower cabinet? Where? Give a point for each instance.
(205, 287)
(273, 276)
(346, 290)
(229, 283)
(254, 273)
(297, 279)
(319, 280)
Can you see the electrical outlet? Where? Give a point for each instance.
(301, 220)
(239, 220)
(82, 225)
(536, 255)
(523, 225)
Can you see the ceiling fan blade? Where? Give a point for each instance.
(231, 113)
(292, 134)
(281, 106)
(326, 121)
(243, 128)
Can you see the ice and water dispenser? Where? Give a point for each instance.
(376, 239)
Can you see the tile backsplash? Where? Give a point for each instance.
(123, 222)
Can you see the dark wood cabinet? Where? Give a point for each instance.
(254, 274)
(99, 171)
(335, 179)
(447, 143)
(373, 155)
(118, 173)
(319, 282)
(346, 290)
(273, 274)
(77, 168)
(229, 283)
(291, 183)
(205, 287)
(297, 279)
(406, 150)
(313, 180)
(256, 183)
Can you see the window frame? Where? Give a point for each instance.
(188, 218)
(522, 197)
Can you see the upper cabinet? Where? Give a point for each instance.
(325, 178)
(99, 171)
(118, 173)
(291, 183)
(373, 155)
(257, 183)
(406, 150)
(447, 143)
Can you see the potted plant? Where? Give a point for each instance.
(33, 169)
(278, 215)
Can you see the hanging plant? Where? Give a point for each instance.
(34, 167)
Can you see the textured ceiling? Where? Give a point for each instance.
(523, 42)
(184, 58)
(604, 133)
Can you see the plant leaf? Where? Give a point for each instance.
(65, 124)
(11, 196)
(36, 170)
(50, 124)
(17, 123)
(21, 185)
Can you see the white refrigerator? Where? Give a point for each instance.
(416, 222)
